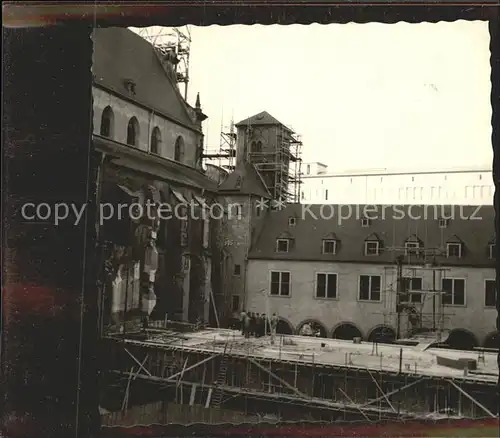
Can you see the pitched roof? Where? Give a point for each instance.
(263, 118)
(119, 55)
(244, 180)
(391, 225)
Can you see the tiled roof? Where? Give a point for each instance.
(392, 228)
(119, 55)
(263, 118)
(244, 180)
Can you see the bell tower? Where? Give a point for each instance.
(275, 151)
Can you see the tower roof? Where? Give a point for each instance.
(245, 180)
(263, 118)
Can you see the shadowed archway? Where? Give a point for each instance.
(462, 339)
(346, 331)
(382, 333)
(491, 341)
(315, 325)
(284, 327)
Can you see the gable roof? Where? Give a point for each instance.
(119, 55)
(244, 180)
(473, 225)
(263, 118)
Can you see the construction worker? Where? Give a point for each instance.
(243, 314)
(274, 326)
(246, 325)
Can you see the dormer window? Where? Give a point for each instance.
(292, 221)
(329, 246)
(372, 248)
(282, 245)
(365, 222)
(454, 250)
(443, 223)
(492, 250)
(412, 247)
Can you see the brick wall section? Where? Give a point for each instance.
(302, 304)
(124, 110)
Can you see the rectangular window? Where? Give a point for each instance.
(454, 250)
(326, 195)
(282, 245)
(411, 247)
(410, 284)
(492, 251)
(329, 246)
(490, 293)
(280, 283)
(372, 248)
(236, 303)
(326, 285)
(237, 269)
(453, 291)
(369, 287)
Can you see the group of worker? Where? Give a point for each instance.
(255, 324)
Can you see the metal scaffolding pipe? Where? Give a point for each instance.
(472, 399)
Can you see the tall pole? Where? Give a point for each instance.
(433, 297)
(399, 290)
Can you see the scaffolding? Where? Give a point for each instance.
(225, 154)
(406, 301)
(279, 162)
(173, 43)
(211, 368)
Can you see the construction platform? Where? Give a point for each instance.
(370, 379)
(415, 360)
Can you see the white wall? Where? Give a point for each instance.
(302, 305)
(123, 110)
(461, 188)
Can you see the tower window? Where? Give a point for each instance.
(237, 269)
(179, 149)
(107, 122)
(133, 132)
(155, 141)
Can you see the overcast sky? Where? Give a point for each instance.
(361, 95)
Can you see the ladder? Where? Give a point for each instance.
(221, 377)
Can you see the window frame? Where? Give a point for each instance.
(453, 304)
(287, 245)
(411, 294)
(326, 241)
(411, 245)
(156, 135)
(134, 123)
(368, 242)
(316, 283)
(492, 249)
(486, 281)
(451, 244)
(280, 283)
(369, 300)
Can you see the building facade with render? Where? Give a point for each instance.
(342, 274)
(470, 186)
